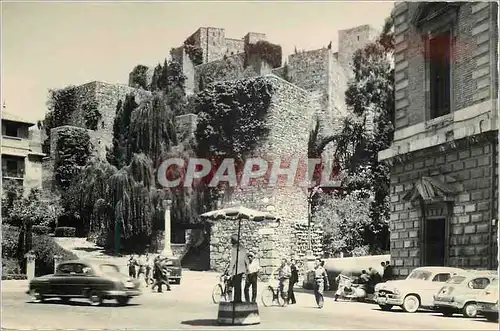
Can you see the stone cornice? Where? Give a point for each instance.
(467, 122)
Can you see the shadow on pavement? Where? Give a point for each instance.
(202, 322)
(399, 310)
(80, 303)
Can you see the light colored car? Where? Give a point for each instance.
(416, 291)
(460, 292)
(487, 302)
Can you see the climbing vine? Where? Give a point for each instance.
(194, 52)
(266, 51)
(73, 149)
(229, 68)
(231, 118)
(91, 115)
(61, 104)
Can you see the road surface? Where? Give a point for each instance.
(189, 305)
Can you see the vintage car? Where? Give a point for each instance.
(83, 279)
(487, 302)
(174, 270)
(414, 292)
(459, 293)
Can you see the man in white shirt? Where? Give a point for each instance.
(251, 280)
(238, 266)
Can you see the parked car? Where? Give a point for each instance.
(174, 270)
(460, 292)
(414, 292)
(82, 279)
(487, 302)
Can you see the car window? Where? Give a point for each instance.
(456, 280)
(479, 283)
(65, 268)
(79, 269)
(420, 274)
(441, 278)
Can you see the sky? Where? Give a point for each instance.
(55, 44)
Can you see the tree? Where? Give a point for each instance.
(343, 219)
(370, 129)
(367, 130)
(120, 155)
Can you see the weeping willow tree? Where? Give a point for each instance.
(152, 127)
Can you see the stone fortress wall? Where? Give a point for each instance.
(314, 85)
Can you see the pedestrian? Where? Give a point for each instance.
(148, 268)
(131, 266)
(253, 268)
(320, 283)
(294, 279)
(237, 266)
(387, 271)
(364, 278)
(141, 266)
(160, 275)
(284, 274)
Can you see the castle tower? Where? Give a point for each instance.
(350, 40)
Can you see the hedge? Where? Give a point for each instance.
(44, 247)
(40, 229)
(65, 231)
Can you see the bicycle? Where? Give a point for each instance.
(223, 290)
(273, 295)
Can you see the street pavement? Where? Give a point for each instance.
(189, 305)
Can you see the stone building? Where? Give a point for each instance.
(21, 152)
(444, 157)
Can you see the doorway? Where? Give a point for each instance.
(435, 242)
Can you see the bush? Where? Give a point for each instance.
(40, 229)
(45, 248)
(10, 237)
(10, 266)
(14, 277)
(65, 231)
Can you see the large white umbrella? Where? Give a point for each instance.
(239, 213)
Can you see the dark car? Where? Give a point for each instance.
(174, 270)
(81, 279)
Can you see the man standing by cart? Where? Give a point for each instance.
(238, 266)
(251, 277)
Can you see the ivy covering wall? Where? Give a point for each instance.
(231, 118)
(266, 51)
(62, 103)
(73, 150)
(194, 52)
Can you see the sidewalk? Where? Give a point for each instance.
(14, 285)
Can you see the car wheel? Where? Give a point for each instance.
(95, 299)
(411, 303)
(492, 317)
(122, 301)
(385, 307)
(36, 297)
(470, 310)
(64, 299)
(177, 281)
